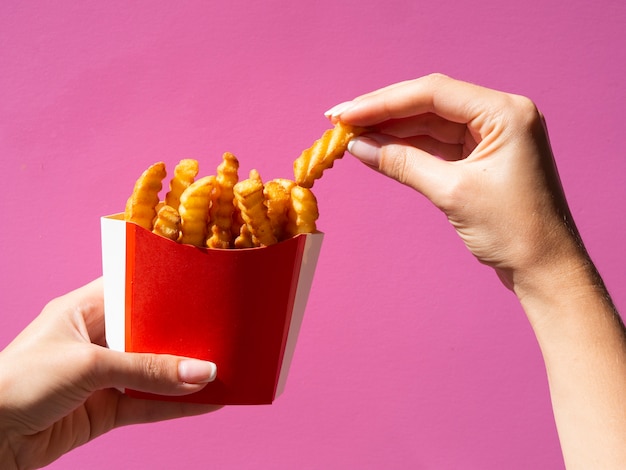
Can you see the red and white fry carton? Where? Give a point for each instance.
(241, 309)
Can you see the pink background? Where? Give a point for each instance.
(411, 354)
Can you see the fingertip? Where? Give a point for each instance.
(335, 112)
(195, 371)
(161, 374)
(366, 150)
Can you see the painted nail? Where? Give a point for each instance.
(195, 371)
(366, 150)
(338, 109)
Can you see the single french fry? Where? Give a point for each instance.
(251, 202)
(223, 205)
(303, 212)
(185, 173)
(245, 239)
(277, 194)
(141, 205)
(167, 223)
(195, 203)
(312, 162)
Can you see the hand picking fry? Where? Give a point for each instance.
(195, 203)
(223, 205)
(277, 199)
(184, 174)
(312, 162)
(251, 202)
(140, 207)
(167, 223)
(303, 212)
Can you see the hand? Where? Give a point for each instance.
(495, 177)
(59, 384)
(483, 157)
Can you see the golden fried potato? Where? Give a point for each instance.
(195, 203)
(184, 174)
(312, 162)
(277, 194)
(251, 202)
(167, 223)
(141, 205)
(303, 212)
(245, 238)
(223, 205)
(237, 223)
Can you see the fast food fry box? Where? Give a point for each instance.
(241, 309)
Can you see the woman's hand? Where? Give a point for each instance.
(483, 157)
(59, 383)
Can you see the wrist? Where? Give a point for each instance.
(552, 267)
(561, 288)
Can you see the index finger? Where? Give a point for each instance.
(451, 99)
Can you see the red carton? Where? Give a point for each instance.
(241, 309)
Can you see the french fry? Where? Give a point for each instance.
(195, 203)
(303, 212)
(237, 225)
(251, 203)
(223, 205)
(312, 162)
(184, 174)
(277, 194)
(141, 205)
(222, 212)
(245, 239)
(167, 223)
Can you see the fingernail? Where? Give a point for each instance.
(335, 111)
(195, 371)
(366, 150)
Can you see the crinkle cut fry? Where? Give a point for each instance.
(223, 205)
(303, 212)
(167, 223)
(245, 238)
(141, 205)
(277, 194)
(195, 203)
(251, 202)
(185, 173)
(312, 162)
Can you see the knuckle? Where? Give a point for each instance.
(55, 305)
(153, 368)
(454, 195)
(90, 362)
(525, 111)
(437, 77)
(91, 358)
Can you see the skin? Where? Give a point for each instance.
(483, 157)
(59, 384)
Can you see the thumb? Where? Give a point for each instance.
(403, 162)
(162, 374)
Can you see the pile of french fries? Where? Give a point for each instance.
(221, 211)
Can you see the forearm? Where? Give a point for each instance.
(583, 343)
